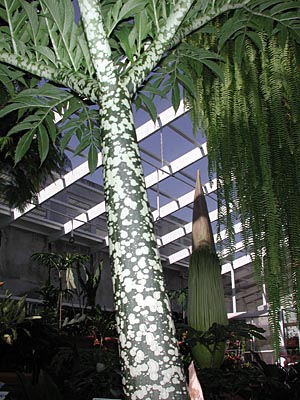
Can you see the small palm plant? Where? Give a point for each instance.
(12, 315)
(85, 284)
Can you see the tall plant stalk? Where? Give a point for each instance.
(117, 55)
(206, 302)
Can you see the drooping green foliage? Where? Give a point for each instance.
(108, 58)
(252, 123)
(46, 38)
(21, 181)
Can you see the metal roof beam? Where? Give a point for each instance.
(82, 170)
(186, 252)
(150, 180)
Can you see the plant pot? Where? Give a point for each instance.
(292, 343)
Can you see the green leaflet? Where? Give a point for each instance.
(40, 104)
(122, 10)
(93, 158)
(43, 142)
(149, 105)
(23, 145)
(175, 96)
(45, 31)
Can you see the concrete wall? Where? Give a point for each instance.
(23, 275)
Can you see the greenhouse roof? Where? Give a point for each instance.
(73, 205)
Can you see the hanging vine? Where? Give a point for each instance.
(252, 123)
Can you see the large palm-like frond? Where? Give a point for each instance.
(21, 181)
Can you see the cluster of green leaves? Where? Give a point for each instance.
(271, 17)
(89, 277)
(40, 123)
(26, 143)
(179, 66)
(50, 36)
(12, 314)
(218, 333)
(180, 296)
(78, 274)
(44, 31)
(251, 119)
(47, 115)
(74, 371)
(248, 382)
(173, 75)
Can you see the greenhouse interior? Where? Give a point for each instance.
(69, 216)
(149, 200)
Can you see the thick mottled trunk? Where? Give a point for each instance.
(148, 348)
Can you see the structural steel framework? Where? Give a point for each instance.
(74, 204)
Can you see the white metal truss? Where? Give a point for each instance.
(187, 251)
(82, 170)
(150, 180)
(174, 251)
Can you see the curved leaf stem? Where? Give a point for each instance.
(79, 83)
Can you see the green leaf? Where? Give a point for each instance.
(215, 68)
(120, 12)
(84, 143)
(138, 102)
(255, 39)
(123, 36)
(191, 51)
(43, 143)
(86, 53)
(175, 96)
(266, 4)
(130, 8)
(23, 145)
(282, 37)
(22, 126)
(52, 129)
(228, 30)
(284, 6)
(66, 138)
(92, 158)
(150, 106)
(73, 106)
(239, 47)
(46, 52)
(11, 107)
(32, 18)
(187, 82)
(143, 29)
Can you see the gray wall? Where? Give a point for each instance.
(22, 275)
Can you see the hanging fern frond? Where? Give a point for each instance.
(252, 125)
